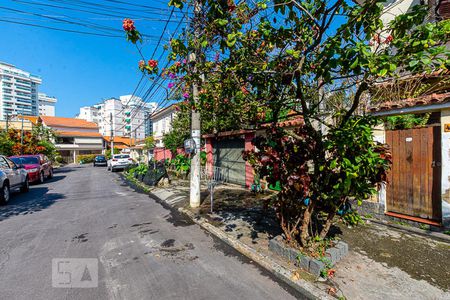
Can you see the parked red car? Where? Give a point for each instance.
(38, 166)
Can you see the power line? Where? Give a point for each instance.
(60, 29)
(135, 111)
(116, 9)
(58, 19)
(162, 33)
(119, 16)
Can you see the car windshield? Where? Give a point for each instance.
(25, 160)
(100, 157)
(121, 156)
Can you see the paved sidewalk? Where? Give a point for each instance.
(383, 263)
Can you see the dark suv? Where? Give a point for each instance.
(100, 160)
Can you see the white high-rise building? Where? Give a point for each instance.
(128, 116)
(18, 91)
(90, 114)
(46, 105)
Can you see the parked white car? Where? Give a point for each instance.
(119, 161)
(12, 176)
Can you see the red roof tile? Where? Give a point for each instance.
(67, 122)
(412, 102)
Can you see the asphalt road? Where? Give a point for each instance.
(144, 250)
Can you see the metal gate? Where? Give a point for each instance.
(227, 155)
(414, 181)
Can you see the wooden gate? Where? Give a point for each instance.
(414, 181)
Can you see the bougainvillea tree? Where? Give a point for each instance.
(317, 59)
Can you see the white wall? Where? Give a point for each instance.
(72, 129)
(86, 140)
(46, 110)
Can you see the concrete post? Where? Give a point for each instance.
(445, 163)
(249, 174)
(195, 121)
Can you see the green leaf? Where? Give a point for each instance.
(354, 64)
(382, 72)
(413, 63)
(222, 22)
(392, 67)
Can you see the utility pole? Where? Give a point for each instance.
(112, 133)
(21, 136)
(131, 135)
(7, 121)
(195, 117)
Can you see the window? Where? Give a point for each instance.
(3, 163)
(25, 160)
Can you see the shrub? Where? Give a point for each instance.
(86, 158)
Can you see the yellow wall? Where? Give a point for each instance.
(27, 125)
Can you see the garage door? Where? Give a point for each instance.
(228, 156)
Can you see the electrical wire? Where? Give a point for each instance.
(119, 16)
(61, 29)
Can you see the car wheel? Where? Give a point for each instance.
(25, 186)
(41, 177)
(5, 194)
(50, 174)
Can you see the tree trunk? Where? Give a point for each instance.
(327, 225)
(304, 234)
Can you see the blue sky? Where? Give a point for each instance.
(80, 69)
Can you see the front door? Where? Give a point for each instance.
(414, 182)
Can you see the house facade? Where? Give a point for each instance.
(418, 186)
(74, 137)
(162, 123)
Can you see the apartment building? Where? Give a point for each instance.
(90, 114)
(18, 92)
(126, 116)
(46, 105)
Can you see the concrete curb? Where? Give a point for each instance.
(302, 286)
(305, 288)
(442, 237)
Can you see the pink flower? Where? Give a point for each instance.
(171, 85)
(128, 25)
(172, 76)
(184, 61)
(186, 95)
(178, 64)
(152, 63)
